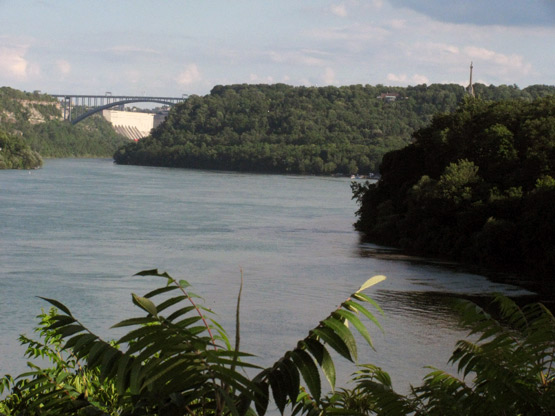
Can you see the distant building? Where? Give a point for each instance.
(388, 96)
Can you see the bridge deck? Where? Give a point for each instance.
(98, 102)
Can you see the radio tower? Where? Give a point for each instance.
(470, 88)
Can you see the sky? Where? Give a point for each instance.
(168, 48)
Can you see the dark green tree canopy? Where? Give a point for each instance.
(285, 129)
(16, 154)
(476, 185)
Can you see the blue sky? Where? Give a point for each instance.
(175, 47)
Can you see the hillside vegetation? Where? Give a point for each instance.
(477, 185)
(38, 120)
(284, 129)
(16, 154)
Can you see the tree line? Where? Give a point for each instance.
(308, 130)
(477, 185)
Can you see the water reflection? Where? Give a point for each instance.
(436, 307)
(513, 285)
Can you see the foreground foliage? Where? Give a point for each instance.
(182, 362)
(477, 185)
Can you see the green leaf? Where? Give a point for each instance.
(184, 284)
(109, 362)
(179, 312)
(351, 317)
(279, 387)
(160, 290)
(80, 348)
(135, 377)
(292, 376)
(368, 299)
(333, 340)
(134, 321)
(229, 401)
(371, 282)
(145, 304)
(153, 272)
(58, 305)
(138, 333)
(162, 370)
(309, 371)
(169, 302)
(345, 334)
(61, 320)
(122, 379)
(69, 330)
(261, 397)
(359, 308)
(323, 359)
(96, 352)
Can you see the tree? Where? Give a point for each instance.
(16, 154)
(467, 189)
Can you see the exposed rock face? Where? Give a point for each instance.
(42, 111)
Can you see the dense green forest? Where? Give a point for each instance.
(477, 186)
(37, 119)
(285, 129)
(16, 154)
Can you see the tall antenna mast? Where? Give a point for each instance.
(470, 88)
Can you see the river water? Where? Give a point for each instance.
(78, 230)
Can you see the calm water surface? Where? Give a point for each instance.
(78, 230)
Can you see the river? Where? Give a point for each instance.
(78, 230)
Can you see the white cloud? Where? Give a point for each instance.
(189, 75)
(254, 78)
(329, 76)
(13, 62)
(420, 79)
(514, 61)
(405, 79)
(133, 76)
(63, 66)
(302, 57)
(398, 23)
(434, 52)
(131, 49)
(339, 10)
(355, 32)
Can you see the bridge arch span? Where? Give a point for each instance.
(116, 103)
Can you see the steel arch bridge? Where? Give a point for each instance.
(97, 103)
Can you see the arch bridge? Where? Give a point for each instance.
(97, 103)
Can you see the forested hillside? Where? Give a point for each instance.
(285, 129)
(16, 154)
(38, 120)
(477, 185)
